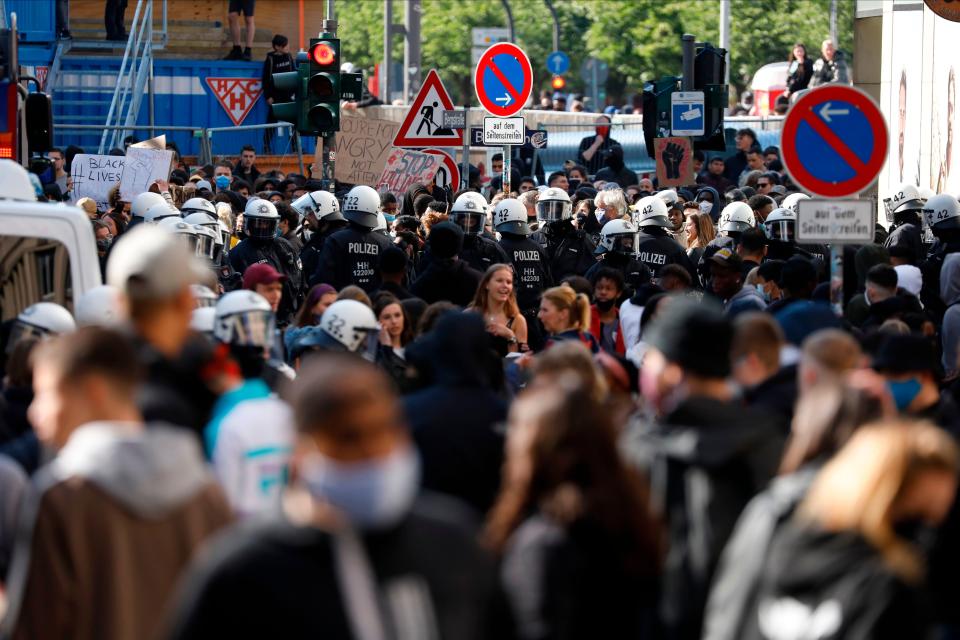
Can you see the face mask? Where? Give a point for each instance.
(705, 207)
(605, 305)
(603, 131)
(763, 293)
(222, 182)
(103, 244)
(373, 494)
(600, 212)
(904, 392)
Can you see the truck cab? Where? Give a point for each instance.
(48, 252)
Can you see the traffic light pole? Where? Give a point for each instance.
(688, 44)
(465, 158)
(329, 140)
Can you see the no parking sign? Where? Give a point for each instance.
(503, 79)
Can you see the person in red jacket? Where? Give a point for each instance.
(604, 313)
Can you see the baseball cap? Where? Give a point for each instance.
(204, 184)
(727, 258)
(150, 263)
(261, 273)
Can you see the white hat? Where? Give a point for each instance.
(909, 278)
(150, 263)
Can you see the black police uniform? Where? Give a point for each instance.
(656, 249)
(480, 252)
(310, 253)
(930, 269)
(352, 256)
(908, 235)
(278, 253)
(635, 273)
(569, 250)
(531, 267)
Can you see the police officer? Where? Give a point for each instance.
(569, 250)
(201, 212)
(618, 247)
(469, 212)
(320, 218)
(529, 260)
(261, 244)
(352, 255)
(655, 247)
(942, 213)
(903, 209)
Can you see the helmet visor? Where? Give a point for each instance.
(624, 243)
(22, 331)
(260, 228)
(782, 230)
(552, 210)
(247, 329)
(205, 246)
(470, 221)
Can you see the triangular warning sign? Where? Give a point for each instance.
(236, 95)
(423, 126)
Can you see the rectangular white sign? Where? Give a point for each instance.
(687, 113)
(503, 131)
(486, 36)
(835, 221)
(93, 176)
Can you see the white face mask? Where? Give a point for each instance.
(705, 207)
(372, 494)
(600, 212)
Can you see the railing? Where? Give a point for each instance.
(136, 68)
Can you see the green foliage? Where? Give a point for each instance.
(638, 39)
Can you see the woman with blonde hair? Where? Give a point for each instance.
(496, 300)
(700, 231)
(841, 569)
(565, 315)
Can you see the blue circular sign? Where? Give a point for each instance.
(558, 62)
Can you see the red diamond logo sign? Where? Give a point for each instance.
(236, 95)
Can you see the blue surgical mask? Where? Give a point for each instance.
(373, 494)
(600, 212)
(222, 182)
(904, 391)
(763, 293)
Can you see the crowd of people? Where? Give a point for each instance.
(581, 409)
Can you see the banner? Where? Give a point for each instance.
(405, 168)
(363, 146)
(93, 176)
(143, 166)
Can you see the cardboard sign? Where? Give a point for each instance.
(142, 167)
(93, 176)
(363, 145)
(405, 168)
(674, 162)
(160, 142)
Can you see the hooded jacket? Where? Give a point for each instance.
(706, 460)
(950, 329)
(454, 421)
(106, 529)
(831, 586)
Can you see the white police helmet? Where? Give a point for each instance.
(204, 320)
(40, 320)
(469, 212)
(160, 211)
(143, 201)
(207, 240)
(260, 219)
(553, 204)
(352, 324)
(942, 212)
(669, 197)
(790, 202)
(321, 204)
(781, 224)
(737, 217)
(203, 296)
(618, 236)
(381, 224)
(244, 319)
(651, 211)
(15, 182)
(186, 233)
(198, 205)
(510, 216)
(361, 205)
(101, 306)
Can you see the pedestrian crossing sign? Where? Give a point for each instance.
(423, 126)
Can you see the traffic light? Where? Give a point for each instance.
(558, 83)
(323, 85)
(656, 110)
(709, 71)
(293, 83)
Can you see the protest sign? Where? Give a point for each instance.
(142, 167)
(405, 168)
(363, 145)
(93, 176)
(160, 142)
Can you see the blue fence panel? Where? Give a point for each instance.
(36, 19)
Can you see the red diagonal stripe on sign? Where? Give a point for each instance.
(834, 142)
(496, 71)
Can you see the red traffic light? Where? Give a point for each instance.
(323, 54)
(558, 82)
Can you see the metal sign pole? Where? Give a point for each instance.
(465, 159)
(506, 169)
(836, 278)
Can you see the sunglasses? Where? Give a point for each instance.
(763, 184)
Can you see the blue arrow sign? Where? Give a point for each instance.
(558, 62)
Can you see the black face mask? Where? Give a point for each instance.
(103, 244)
(605, 305)
(615, 258)
(250, 360)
